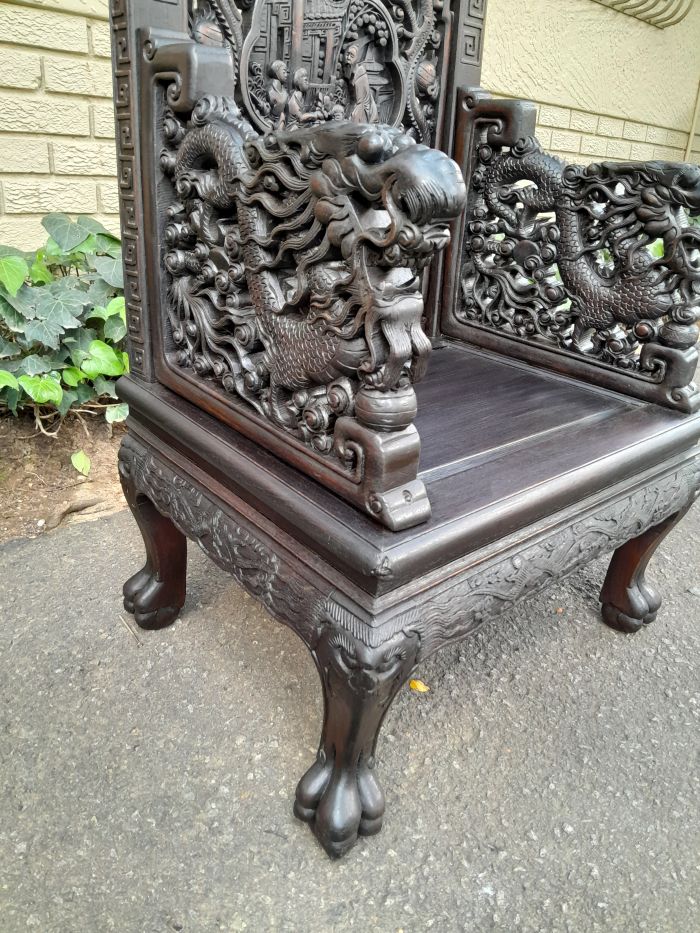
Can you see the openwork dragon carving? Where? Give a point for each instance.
(295, 257)
(602, 261)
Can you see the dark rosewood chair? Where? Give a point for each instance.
(281, 205)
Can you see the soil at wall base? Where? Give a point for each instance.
(40, 489)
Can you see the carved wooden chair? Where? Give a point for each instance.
(280, 205)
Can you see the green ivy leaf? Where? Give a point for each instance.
(94, 226)
(46, 332)
(8, 348)
(66, 233)
(39, 272)
(104, 386)
(102, 361)
(115, 329)
(78, 342)
(117, 412)
(118, 306)
(67, 400)
(61, 298)
(34, 364)
(99, 292)
(42, 389)
(23, 302)
(81, 462)
(86, 392)
(110, 269)
(11, 399)
(657, 249)
(10, 318)
(13, 271)
(48, 329)
(72, 376)
(7, 380)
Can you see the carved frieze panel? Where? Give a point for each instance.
(303, 62)
(441, 615)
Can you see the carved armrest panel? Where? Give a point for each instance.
(285, 251)
(600, 263)
(294, 261)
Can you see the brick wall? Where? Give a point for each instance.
(56, 120)
(579, 136)
(57, 131)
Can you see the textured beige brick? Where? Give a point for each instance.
(677, 139)
(24, 196)
(554, 116)
(564, 156)
(586, 159)
(635, 131)
(84, 158)
(642, 151)
(667, 153)
(566, 141)
(100, 41)
(618, 149)
(19, 68)
(657, 134)
(594, 145)
(110, 221)
(25, 113)
(78, 76)
(609, 126)
(583, 122)
(103, 121)
(545, 136)
(43, 29)
(24, 155)
(109, 197)
(23, 231)
(97, 8)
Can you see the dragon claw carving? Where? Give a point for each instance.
(340, 796)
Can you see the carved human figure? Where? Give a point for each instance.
(297, 99)
(364, 108)
(277, 93)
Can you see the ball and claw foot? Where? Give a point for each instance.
(620, 620)
(628, 601)
(151, 601)
(339, 804)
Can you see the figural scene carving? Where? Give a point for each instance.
(304, 206)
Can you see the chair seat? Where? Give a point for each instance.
(503, 446)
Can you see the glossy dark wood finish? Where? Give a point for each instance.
(628, 600)
(156, 593)
(378, 514)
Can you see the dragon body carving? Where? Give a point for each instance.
(602, 260)
(295, 263)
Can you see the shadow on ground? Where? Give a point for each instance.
(548, 781)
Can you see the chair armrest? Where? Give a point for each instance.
(593, 270)
(295, 262)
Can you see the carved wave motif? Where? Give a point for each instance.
(440, 616)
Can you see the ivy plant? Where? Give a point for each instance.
(63, 323)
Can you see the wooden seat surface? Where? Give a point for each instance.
(503, 446)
